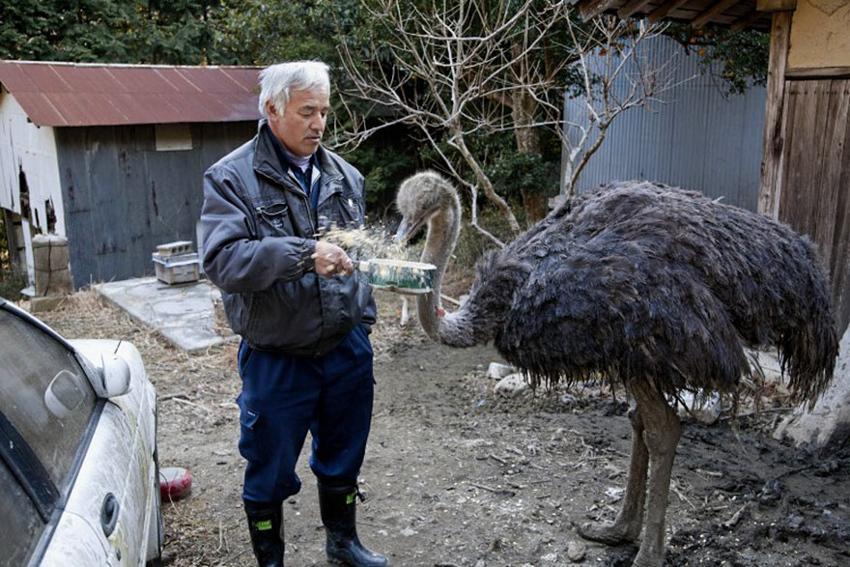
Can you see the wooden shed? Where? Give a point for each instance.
(112, 156)
(805, 170)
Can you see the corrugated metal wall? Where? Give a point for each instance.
(122, 197)
(699, 138)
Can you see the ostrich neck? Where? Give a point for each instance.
(443, 230)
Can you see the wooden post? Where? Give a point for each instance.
(770, 188)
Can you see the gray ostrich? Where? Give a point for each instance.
(657, 288)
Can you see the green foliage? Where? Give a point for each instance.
(514, 174)
(385, 167)
(742, 57)
(177, 32)
(91, 30)
(261, 33)
(114, 31)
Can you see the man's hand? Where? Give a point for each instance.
(331, 260)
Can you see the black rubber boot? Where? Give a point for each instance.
(265, 520)
(338, 506)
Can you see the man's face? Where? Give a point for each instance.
(301, 125)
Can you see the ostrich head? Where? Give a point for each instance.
(423, 198)
(428, 200)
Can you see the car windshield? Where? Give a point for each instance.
(44, 394)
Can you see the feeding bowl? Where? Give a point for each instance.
(400, 276)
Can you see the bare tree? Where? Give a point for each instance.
(616, 74)
(473, 67)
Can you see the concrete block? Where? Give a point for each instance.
(40, 241)
(497, 371)
(60, 282)
(42, 281)
(41, 258)
(702, 408)
(174, 248)
(59, 257)
(40, 304)
(53, 282)
(511, 385)
(48, 240)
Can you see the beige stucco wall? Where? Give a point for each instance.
(820, 34)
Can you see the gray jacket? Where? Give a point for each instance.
(258, 230)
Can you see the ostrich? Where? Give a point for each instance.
(657, 288)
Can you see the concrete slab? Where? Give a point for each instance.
(183, 314)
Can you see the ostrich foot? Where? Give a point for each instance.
(610, 533)
(648, 559)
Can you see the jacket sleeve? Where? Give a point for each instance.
(234, 259)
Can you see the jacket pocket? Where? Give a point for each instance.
(274, 219)
(349, 209)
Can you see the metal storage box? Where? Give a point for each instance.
(180, 268)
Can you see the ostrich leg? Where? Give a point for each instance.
(626, 527)
(661, 435)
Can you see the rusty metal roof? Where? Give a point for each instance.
(81, 94)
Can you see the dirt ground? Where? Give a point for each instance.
(458, 476)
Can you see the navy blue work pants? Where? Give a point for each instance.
(284, 396)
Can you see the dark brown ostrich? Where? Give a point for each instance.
(655, 287)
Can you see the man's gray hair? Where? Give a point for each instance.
(278, 81)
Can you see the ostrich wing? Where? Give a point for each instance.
(615, 307)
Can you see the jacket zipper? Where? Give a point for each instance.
(306, 200)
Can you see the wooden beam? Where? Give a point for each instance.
(712, 12)
(632, 7)
(665, 9)
(589, 9)
(770, 185)
(745, 21)
(818, 73)
(776, 5)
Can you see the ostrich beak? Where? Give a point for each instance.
(406, 231)
(403, 233)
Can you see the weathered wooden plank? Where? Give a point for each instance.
(770, 189)
(839, 165)
(73, 160)
(834, 136)
(819, 199)
(776, 5)
(818, 73)
(665, 9)
(796, 95)
(814, 199)
(632, 7)
(744, 22)
(589, 9)
(712, 12)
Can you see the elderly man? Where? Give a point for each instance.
(303, 312)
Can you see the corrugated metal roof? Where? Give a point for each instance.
(78, 94)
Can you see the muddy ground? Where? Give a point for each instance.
(458, 476)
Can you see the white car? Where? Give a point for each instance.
(78, 463)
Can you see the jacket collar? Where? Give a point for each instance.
(267, 163)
